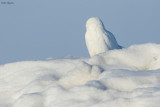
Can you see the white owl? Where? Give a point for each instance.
(98, 39)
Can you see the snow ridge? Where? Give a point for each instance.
(118, 78)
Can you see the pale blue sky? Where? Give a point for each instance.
(38, 29)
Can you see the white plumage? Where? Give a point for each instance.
(98, 39)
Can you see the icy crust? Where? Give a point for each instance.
(118, 78)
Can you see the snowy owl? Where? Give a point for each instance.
(98, 39)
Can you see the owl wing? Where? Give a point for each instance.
(111, 40)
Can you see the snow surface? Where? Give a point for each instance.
(98, 39)
(118, 78)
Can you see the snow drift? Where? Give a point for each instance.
(118, 78)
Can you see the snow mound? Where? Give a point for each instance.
(138, 57)
(117, 78)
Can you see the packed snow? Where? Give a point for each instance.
(98, 39)
(128, 77)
